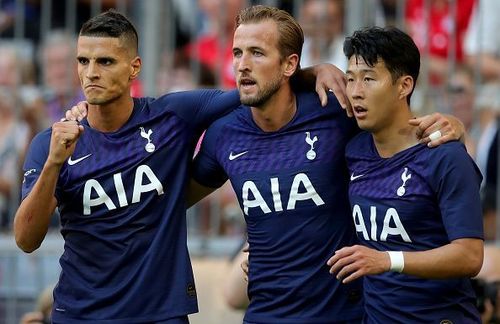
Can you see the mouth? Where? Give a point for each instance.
(93, 86)
(246, 83)
(359, 111)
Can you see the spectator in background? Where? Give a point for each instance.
(60, 79)
(213, 47)
(178, 76)
(433, 31)
(488, 105)
(14, 138)
(482, 42)
(17, 75)
(323, 21)
(460, 97)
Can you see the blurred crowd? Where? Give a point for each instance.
(457, 39)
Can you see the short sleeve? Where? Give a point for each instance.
(36, 156)
(207, 170)
(457, 179)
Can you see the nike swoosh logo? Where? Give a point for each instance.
(73, 162)
(235, 156)
(353, 177)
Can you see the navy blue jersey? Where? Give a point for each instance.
(122, 204)
(292, 187)
(417, 200)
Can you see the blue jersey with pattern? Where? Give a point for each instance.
(417, 200)
(292, 187)
(122, 207)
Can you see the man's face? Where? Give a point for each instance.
(59, 68)
(372, 93)
(106, 68)
(461, 96)
(257, 62)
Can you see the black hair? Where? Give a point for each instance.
(396, 48)
(111, 24)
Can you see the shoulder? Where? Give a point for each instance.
(309, 100)
(43, 137)
(449, 158)
(309, 106)
(233, 119)
(446, 152)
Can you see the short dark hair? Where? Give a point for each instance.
(111, 24)
(291, 36)
(396, 48)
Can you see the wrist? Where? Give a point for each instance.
(51, 165)
(397, 261)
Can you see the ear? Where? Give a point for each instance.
(406, 85)
(135, 67)
(291, 63)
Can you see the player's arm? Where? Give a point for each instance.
(323, 78)
(436, 129)
(460, 258)
(32, 218)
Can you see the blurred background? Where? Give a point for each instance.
(186, 44)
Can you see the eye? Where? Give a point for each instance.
(367, 79)
(350, 79)
(105, 61)
(82, 60)
(257, 53)
(236, 53)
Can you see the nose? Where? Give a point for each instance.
(92, 71)
(242, 63)
(355, 88)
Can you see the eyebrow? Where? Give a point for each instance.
(363, 71)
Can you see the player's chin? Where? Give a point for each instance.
(364, 125)
(99, 100)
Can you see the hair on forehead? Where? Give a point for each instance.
(111, 24)
(391, 45)
(291, 36)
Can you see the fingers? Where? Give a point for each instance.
(323, 97)
(63, 141)
(31, 318)
(244, 267)
(340, 259)
(434, 129)
(424, 124)
(67, 132)
(331, 78)
(346, 268)
(78, 112)
(246, 248)
(341, 96)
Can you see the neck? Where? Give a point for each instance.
(397, 136)
(276, 112)
(110, 117)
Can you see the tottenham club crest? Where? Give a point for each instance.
(405, 176)
(311, 155)
(150, 147)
